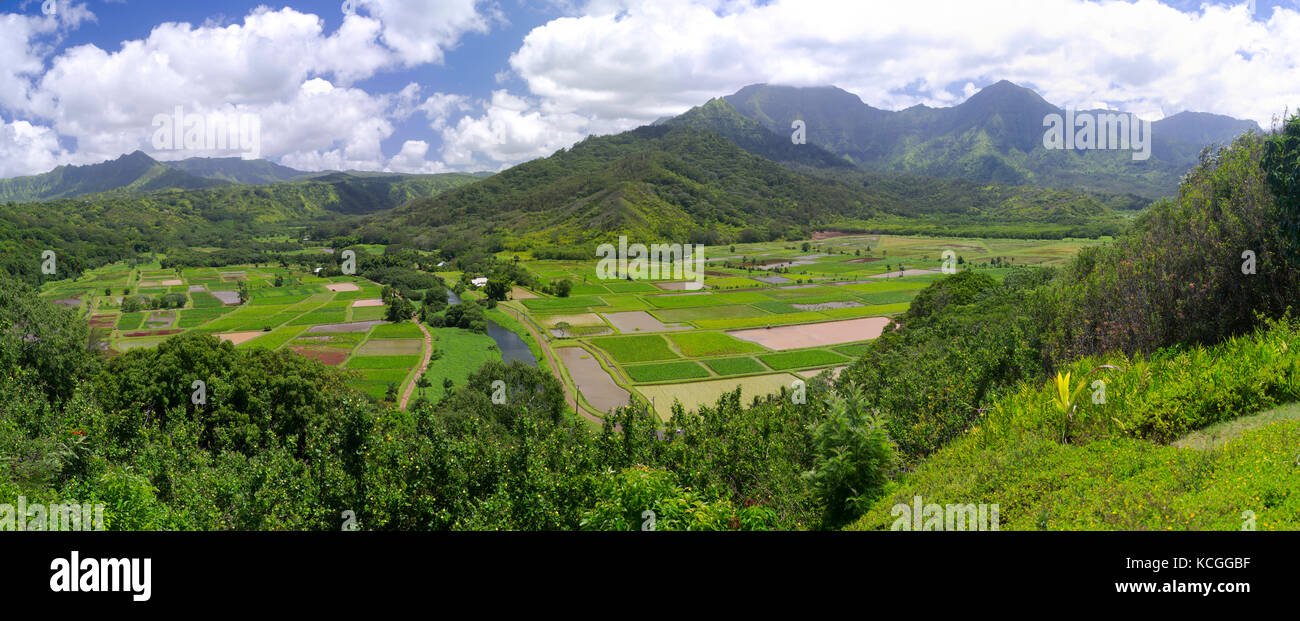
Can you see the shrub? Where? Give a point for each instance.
(853, 458)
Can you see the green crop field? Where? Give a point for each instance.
(735, 366)
(383, 362)
(802, 359)
(405, 330)
(665, 371)
(699, 344)
(758, 285)
(638, 348)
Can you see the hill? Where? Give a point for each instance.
(134, 172)
(89, 231)
(995, 136)
(237, 170)
(688, 178)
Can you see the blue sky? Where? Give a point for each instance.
(448, 85)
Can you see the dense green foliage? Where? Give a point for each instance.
(1183, 275)
(135, 172)
(1281, 160)
(92, 231)
(1103, 471)
(688, 180)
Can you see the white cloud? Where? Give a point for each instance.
(440, 107)
(512, 129)
(412, 159)
(27, 149)
(420, 32)
(646, 59)
(278, 64)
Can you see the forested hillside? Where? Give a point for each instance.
(710, 177)
(90, 231)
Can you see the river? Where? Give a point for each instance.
(512, 347)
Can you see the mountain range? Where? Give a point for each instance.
(995, 136)
(138, 173)
(724, 170)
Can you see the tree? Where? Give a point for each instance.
(399, 310)
(497, 288)
(563, 287)
(1281, 164)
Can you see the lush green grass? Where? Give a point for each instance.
(759, 322)
(852, 351)
(735, 366)
(203, 299)
(631, 287)
(1114, 484)
(463, 352)
(550, 305)
(665, 371)
(374, 382)
(802, 359)
(404, 330)
(776, 307)
(200, 316)
(866, 311)
(320, 316)
(706, 299)
(1218, 434)
(383, 362)
(888, 297)
(1105, 466)
(368, 313)
(699, 344)
(277, 299)
(637, 348)
(130, 321)
(709, 312)
(275, 338)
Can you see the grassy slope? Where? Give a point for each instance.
(1115, 473)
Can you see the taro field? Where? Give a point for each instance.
(338, 321)
(769, 313)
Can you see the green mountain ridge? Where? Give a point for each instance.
(688, 178)
(237, 170)
(995, 136)
(134, 172)
(88, 231)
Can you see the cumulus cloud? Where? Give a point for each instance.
(413, 159)
(512, 129)
(27, 149)
(421, 32)
(643, 59)
(279, 65)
